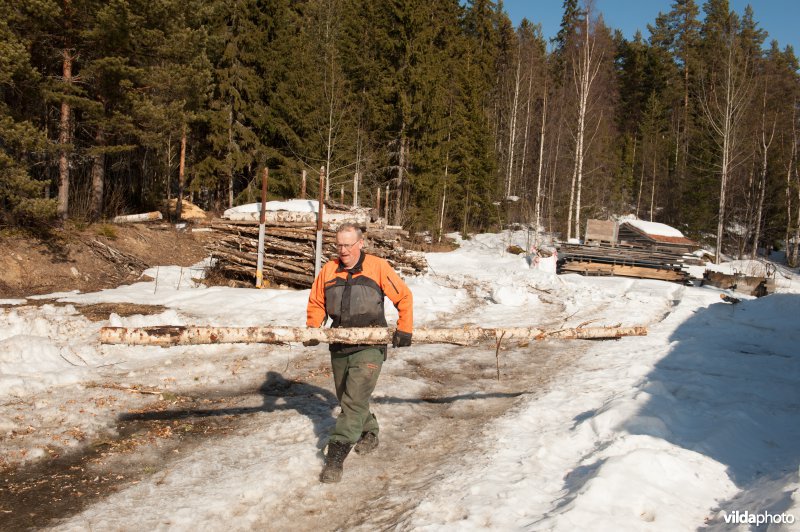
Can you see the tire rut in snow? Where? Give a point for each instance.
(424, 439)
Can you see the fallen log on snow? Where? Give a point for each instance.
(194, 335)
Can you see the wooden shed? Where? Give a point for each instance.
(654, 236)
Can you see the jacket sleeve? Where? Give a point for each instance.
(400, 295)
(315, 312)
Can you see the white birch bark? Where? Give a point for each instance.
(765, 142)
(526, 132)
(512, 129)
(791, 253)
(586, 68)
(195, 335)
(538, 208)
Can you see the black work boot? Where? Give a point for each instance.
(334, 461)
(367, 443)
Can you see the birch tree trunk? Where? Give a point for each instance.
(553, 178)
(724, 112)
(526, 132)
(762, 185)
(791, 254)
(512, 129)
(444, 182)
(195, 335)
(585, 70)
(797, 224)
(538, 207)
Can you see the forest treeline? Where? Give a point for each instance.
(442, 114)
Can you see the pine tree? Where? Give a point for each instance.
(21, 143)
(236, 112)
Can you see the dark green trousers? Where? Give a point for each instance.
(355, 376)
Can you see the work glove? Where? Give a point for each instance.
(401, 339)
(311, 343)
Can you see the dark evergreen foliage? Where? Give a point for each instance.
(444, 104)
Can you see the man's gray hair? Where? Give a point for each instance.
(350, 226)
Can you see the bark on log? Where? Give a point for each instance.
(195, 335)
(143, 217)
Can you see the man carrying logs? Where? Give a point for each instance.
(350, 290)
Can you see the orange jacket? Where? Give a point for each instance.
(354, 298)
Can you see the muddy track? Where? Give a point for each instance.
(32, 496)
(436, 436)
(442, 435)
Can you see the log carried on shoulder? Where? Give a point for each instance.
(194, 335)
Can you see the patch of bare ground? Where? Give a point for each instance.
(92, 258)
(101, 311)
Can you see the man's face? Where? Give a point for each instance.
(349, 247)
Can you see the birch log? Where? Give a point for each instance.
(165, 336)
(143, 217)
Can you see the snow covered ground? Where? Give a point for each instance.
(695, 425)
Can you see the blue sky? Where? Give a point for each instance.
(780, 18)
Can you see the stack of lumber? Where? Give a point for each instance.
(289, 251)
(623, 261)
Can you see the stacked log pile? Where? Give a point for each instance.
(289, 251)
(622, 260)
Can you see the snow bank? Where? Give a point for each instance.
(44, 347)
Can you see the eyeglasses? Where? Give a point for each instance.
(342, 247)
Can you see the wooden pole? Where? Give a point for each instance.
(303, 186)
(262, 220)
(386, 206)
(355, 189)
(378, 203)
(181, 176)
(341, 195)
(195, 335)
(318, 251)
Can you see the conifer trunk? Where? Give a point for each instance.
(98, 175)
(64, 136)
